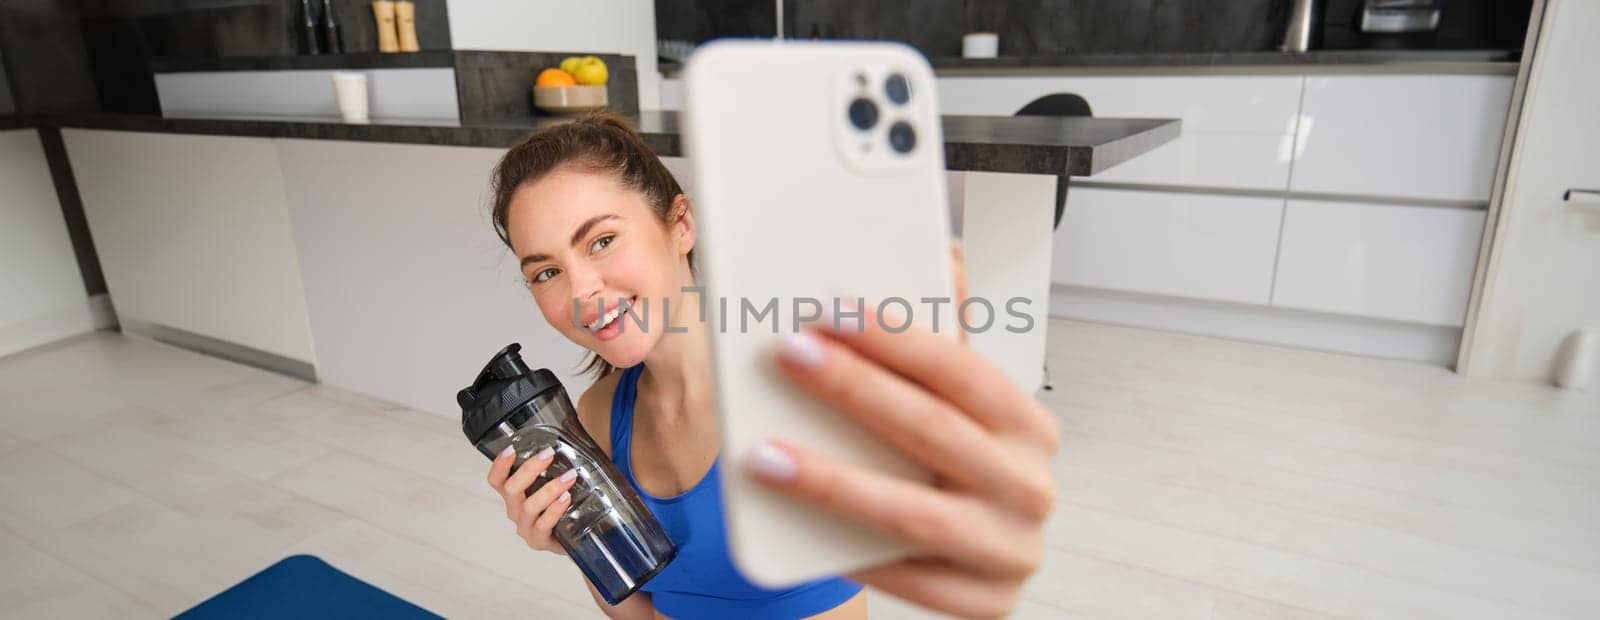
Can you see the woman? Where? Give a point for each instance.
(592, 214)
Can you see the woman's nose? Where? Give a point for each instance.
(586, 283)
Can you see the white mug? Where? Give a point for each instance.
(980, 45)
(350, 90)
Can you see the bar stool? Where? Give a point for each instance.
(1057, 104)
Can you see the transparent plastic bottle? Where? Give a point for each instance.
(606, 530)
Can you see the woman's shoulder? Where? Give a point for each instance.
(594, 409)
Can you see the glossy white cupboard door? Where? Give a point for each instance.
(1189, 245)
(1212, 160)
(1237, 130)
(1253, 104)
(1382, 261)
(1411, 136)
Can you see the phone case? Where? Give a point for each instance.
(794, 201)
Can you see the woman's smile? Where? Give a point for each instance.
(610, 325)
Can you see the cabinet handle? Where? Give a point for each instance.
(1568, 195)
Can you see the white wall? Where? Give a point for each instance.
(615, 26)
(42, 297)
(1542, 276)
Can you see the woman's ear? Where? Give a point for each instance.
(682, 222)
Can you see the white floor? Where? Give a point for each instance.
(1200, 478)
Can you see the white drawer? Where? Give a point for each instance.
(1190, 245)
(1227, 103)
(1237, 130)
(1219, 160)
(1392, 262)
(1433, 136)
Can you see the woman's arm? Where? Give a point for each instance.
(636, 607)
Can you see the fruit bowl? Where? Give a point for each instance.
(569, 99)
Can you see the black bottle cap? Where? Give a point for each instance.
(504, 384)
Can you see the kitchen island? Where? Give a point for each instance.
(1025, 145)
(362, 254)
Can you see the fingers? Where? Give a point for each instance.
(928, 429)
(540, 511)
(942, 587)
(500, 469)
(954, 372)
(952, 526)
(515, 489)
(551, 514)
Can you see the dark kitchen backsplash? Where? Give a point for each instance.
(7, 106)
(72, 55)
(45, 62)
(189, 29)
(1060, 27)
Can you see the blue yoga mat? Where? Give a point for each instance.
(303, 586)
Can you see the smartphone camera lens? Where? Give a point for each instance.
(863, 113)
(898, 89)
(902, 138)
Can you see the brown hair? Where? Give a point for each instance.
(599, 142)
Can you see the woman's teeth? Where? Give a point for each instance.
(609, 317)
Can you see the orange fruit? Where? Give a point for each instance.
(555, 77)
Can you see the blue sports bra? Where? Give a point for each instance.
(702, 581)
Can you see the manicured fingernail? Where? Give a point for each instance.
(510, 450)
(566, 496)
(771, 463)
(569, 476)
(543, 454)
(802, 348)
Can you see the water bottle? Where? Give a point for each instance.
(606, 530)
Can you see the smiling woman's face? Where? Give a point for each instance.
(581, 239)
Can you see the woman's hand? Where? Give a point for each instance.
(535, 515)
(988, 444)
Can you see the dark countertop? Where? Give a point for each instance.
(367, 60)
(1422, 61)
(1262, 58)
(1031, 145)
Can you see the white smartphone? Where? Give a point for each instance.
(818, 174)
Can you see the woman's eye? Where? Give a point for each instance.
(545, 274)
(601, 243)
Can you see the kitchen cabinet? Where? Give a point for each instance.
(1207, 104)
(1433, 137)
(1237, 130)
(1189, 245)
(408, 288)
(193, 234)
(1211, 160)
(1394, 262)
